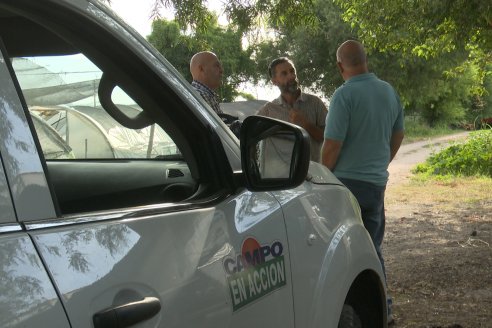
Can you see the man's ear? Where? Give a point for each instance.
(273, 81)
(340, 67)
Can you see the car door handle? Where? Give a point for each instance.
(127, 314)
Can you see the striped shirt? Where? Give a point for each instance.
(311, 106)
(208, 94)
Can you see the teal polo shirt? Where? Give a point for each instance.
(363, 114)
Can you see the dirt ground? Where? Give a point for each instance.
(438, 247)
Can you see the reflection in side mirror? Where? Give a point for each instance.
(274, 154)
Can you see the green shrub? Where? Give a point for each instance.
(473, 158)
(417, 129)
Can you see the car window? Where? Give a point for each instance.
(95, 161)
(6, 208)
(62, 96)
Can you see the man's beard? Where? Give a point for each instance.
(291, 87)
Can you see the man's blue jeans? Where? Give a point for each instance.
(371, 201)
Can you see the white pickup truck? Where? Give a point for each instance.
(125, 201)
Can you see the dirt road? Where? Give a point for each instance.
(437, 250)
(411, 154)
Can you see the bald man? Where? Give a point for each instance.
(206, 71)
(363, 132)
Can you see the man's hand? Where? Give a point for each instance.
(297, 117)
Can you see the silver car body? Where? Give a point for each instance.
(310, 250)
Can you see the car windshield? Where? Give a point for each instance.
(62, 96)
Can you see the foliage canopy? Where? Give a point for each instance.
(244, 14)
(440, 89)
(437, 54)
(178, 47)
(424, 27)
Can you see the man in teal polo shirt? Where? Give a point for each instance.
(363, 132)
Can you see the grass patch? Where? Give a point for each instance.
(416, 130)
(449, 192)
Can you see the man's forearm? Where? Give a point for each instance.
(315, 132)
(395, 143)
(330, 152)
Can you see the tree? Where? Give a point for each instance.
(423, 27)
(243, 13)
(483, 105)
(426, 28)
(179, 46)
(312, 48)
(438, 89)
(436, 53)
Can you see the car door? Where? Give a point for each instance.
(27, 295)
(127, 242)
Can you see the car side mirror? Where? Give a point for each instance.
(274, 154)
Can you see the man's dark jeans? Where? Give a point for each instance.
(371, 201)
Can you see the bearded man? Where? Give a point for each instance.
(294, 106)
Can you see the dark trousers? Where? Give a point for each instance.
(371, 202)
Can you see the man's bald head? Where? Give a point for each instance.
(351, 59)
(205, 68)
(200, 58)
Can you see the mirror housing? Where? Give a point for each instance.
(274, 154)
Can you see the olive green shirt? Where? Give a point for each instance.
(311, 106)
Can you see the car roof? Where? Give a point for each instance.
(15, 30)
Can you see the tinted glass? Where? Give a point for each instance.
(62, 95)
